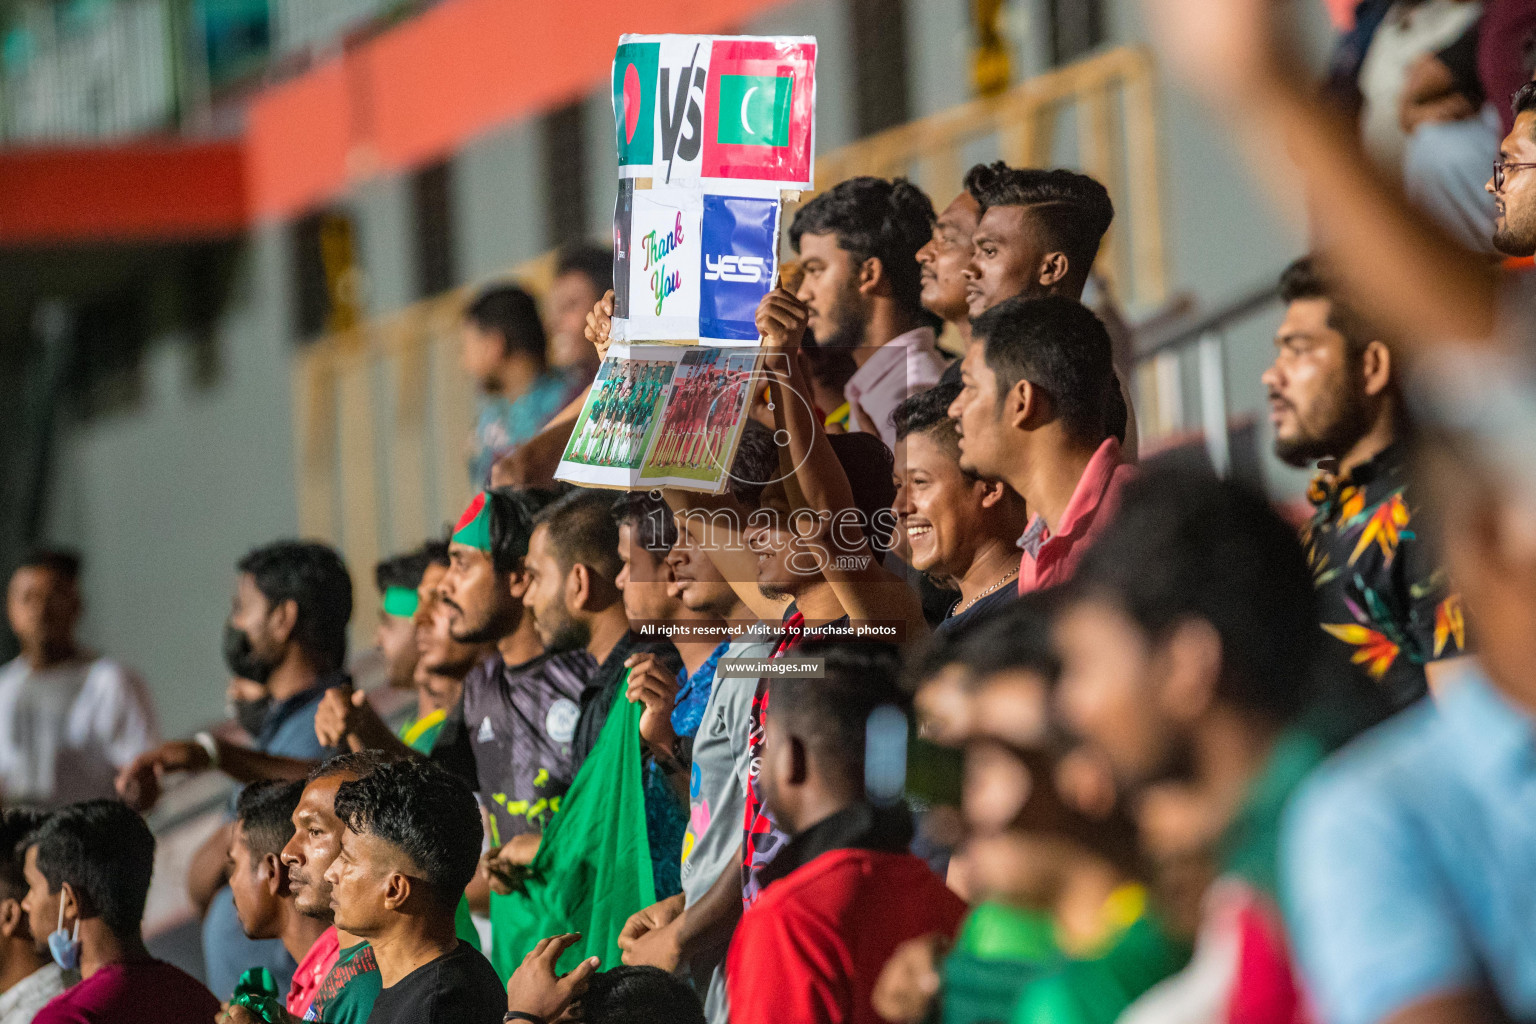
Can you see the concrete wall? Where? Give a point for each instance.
(164, 499)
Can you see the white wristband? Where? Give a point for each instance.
(210, 745)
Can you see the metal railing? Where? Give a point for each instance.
(1167, 414)
(382, 413)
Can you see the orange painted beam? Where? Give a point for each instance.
(159, 190)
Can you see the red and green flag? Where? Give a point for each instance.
(759, 120)
(634, 101)
(474, 526)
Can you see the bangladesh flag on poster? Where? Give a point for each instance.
(760, 111)
(634, 101)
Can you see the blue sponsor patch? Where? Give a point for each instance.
(739, 235)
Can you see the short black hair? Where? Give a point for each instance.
(436, 552)
(874, 217)
(426, 812)
(1059, 346)
(511, 526)
(1524, 99)
(867, 462)
(1184, 545)
(640, 995)
(509, 311)
(927, 412)
(1072, 211)
(649, 520)
(592, 261)
(15, 826)
(312, 576)
(582, 532)
(266, 810)
(1308, 278)
(62, 562)
(831, 713)
(755, 464)
(402, 570)
(355, 762)
(106, 853)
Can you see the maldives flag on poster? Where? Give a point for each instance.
(760, 111)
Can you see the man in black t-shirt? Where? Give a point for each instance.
(410, 847)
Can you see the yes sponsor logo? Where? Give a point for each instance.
(742, 269)
(739, 236)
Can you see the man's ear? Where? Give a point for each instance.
(273, 875)
(13, 920)
(1054, 267)
(871, 276)
(1191, 669)
(1026, 406)
(799, 760)
(283, 618)
(517, 585)
(68, 902)
(578, 586)
(1376, 368)
(397, 890)
(992, 492)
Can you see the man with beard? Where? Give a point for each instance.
(858, 244)
(287, 633)
(1334, 397)
(572, 596)
(511, 737)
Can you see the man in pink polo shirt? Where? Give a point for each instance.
(1036, 387)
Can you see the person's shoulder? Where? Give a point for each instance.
(1385, 773)
(112, 676)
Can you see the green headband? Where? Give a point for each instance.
(474, 526)
(400, 602)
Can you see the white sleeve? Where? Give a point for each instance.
(124, 719)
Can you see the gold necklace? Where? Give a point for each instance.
(992, 589)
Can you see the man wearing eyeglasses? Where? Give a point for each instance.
(1513, 184)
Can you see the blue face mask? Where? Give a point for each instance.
(64, 947)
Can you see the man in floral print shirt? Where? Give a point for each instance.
(1334, 400)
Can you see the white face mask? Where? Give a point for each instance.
(62, 946)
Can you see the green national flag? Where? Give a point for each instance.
(634, 101)
(754, 110)
(593, 868)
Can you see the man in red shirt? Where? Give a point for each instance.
(844, 892)
(1035, 399)
(87, 869)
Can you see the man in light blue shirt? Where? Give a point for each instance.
(1410, 859)
(504, 351)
